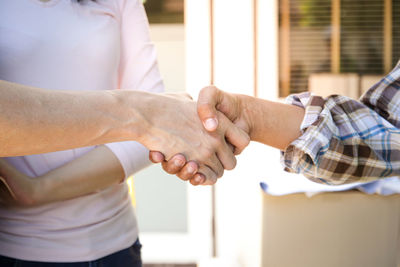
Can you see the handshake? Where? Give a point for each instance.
(197, 141)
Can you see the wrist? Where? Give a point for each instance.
(130, 115)
(247, 106)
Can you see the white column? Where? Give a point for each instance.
(268, 52)
(239, 197)
(197, 23)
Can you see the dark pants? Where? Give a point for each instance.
(129, 257)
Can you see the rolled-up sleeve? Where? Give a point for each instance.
(344, 140)
(138, 70)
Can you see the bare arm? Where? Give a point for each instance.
(94, 171)
(271, 123)
(36, 121)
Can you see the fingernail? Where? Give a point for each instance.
(198, 179)
(159, 157)
(178, 163)
(210, 124)
(156, 157)
(190, 169)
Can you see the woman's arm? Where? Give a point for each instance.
(92, 172)
(34, 120)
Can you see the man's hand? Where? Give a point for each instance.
(178, 130)
(268, 122)
(211, 101)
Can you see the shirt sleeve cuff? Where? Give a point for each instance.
(133, 156)
(305, 150)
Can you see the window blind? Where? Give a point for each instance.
(396, 31)
(309, 40)
(306, 30)
(361, 36)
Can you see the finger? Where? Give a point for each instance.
(227, 158)
(225, 155)
(209, 176)
(215, 165)
(231, 147)
(238, 138)
(156, 157)
(198, 179)
(188, 171)
(208, 99)
(234, 135)
(175, 164)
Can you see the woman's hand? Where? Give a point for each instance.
(16, 188)
(6, 196)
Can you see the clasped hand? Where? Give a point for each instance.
(224, 121)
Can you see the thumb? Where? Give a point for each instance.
(208, 99)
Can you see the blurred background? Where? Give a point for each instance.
(268, 49)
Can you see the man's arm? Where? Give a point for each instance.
(271, 123)
(333, 141)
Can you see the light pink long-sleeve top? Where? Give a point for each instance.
(64, 45)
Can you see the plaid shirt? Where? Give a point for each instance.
(345, 140)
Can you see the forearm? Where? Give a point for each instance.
(92, 172)
(36, 121)
(272, 123)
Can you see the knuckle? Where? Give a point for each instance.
(212, 181)
(246, 141)
(203, 109)
(207, 153)
(231, 164)
(219, 170)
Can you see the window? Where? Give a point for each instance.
(164, 11)
(396, 30)
(336, 36)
